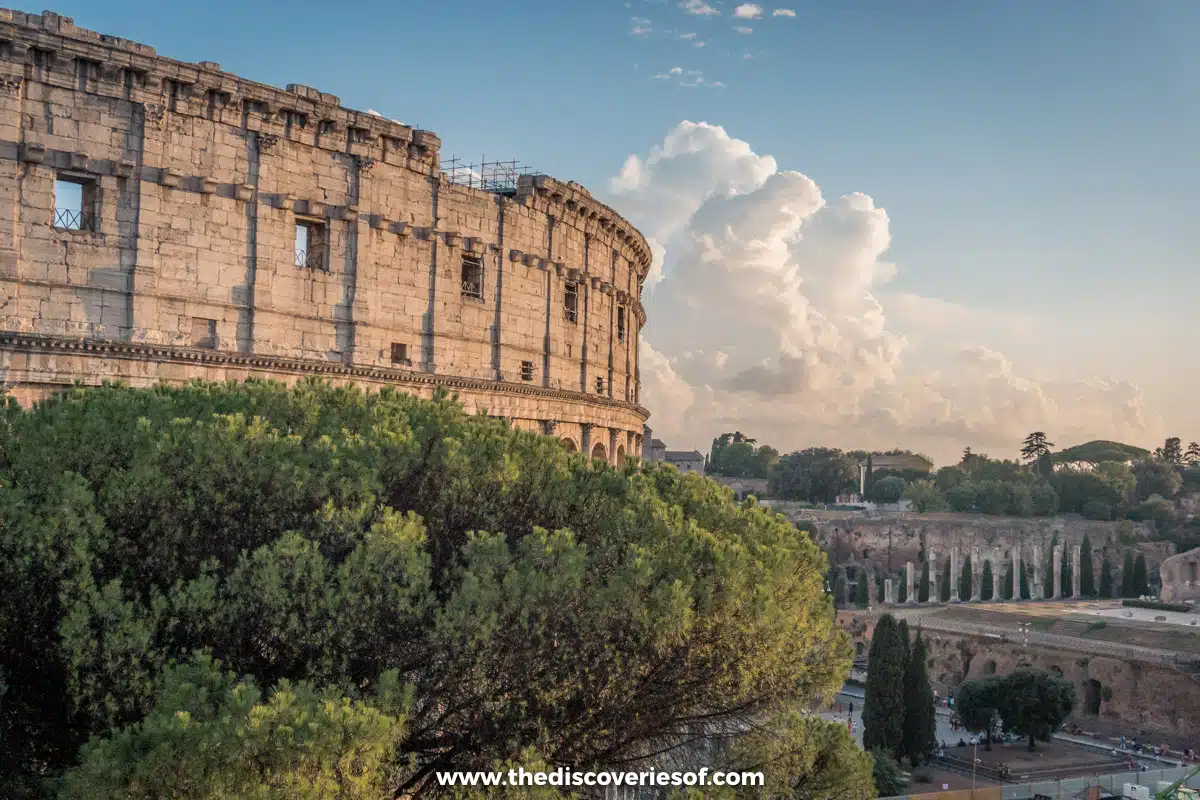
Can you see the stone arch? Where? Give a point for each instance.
(860, 648)
(1055, 668)
(1093, 693)
(620, 454)
(569, 443)
(598, 452)
(989, 668)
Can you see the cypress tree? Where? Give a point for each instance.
(1006, 583)
(1106, 580)
(839, 589)
(945, 593)
(883, 708)
(862, 597)
(986, 587)
(1049, 576)
(902, 592)
(1127, 586)
(923, 594)
(920, 724)
(964, 580)
(1087, 581)
(1141, 583)
(1066, 577)
(1024, 579)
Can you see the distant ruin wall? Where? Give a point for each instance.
(892, 540)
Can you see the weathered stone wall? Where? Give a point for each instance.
(187, 267)
(1181, 577)
(890, 541)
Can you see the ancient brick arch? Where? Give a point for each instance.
(569, 443)
(599, 453)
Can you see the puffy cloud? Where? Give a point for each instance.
(783, 12)
(698, 8)
(769, 311)
(748, 11)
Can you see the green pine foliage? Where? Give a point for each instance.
(1141, 583)
(1087, 580)
(246, 590)
(923, 593)
(986, 582)
(1128, 582)
(945, 591)
(1106, 578)
(965, 579)
(920, 723)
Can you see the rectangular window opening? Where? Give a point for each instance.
(571, 302)
(204, 333)
(599, 385)
(175, 91)
(400, 354)
(620, 323)
(526, 370)
(310, 244)
(472, 276)
(75, 204)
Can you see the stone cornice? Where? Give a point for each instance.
(218, 358)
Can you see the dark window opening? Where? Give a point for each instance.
(41, 58)
(472, 276)
(359, 135)
(134, 78)
(599, 385)
(294, 119)
(571, 302)
(310, 244)
(87, 70)
(204, 333)
(75, 204)
(400, 354)
(526, 370)
(620, 323)
(176, 90)
(255, 107)
(327, 127)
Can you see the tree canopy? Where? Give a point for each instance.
(200, 568)
(1032, 703)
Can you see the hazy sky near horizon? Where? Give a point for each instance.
(928, 224)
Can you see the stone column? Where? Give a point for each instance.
(1057, 564)
(889, 592)
(1016, 572)
(908, 583)
(997, 574)
(1036, 590)
(1075, 571)
(976, 573)
(954, 570)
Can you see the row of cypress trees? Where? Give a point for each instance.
(898, 713)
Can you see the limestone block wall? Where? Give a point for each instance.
(228, 228)
(1181, 577)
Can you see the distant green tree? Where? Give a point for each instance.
(1171, 452)
(1087, 580)
(1024, 582)
(1155, 477)
(947, 478)
(945, 593)
(902, 592)
(1128, 583)
(818, 474)
(879, 585)
(883, 706)
(1035, 446)
(977, 704)
(889, 778)
(1066, 577)
(1035, 703)
(986, 582)
(965, 580)
(1044, 499)
(920, 722)
(923, 592)
(925, 496)
(1006, 583)
(862, 597)
(1141, 583)
(1191, 458)
(887, 490)
(1106, 578)
(962, 497)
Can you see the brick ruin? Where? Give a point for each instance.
(171, 221)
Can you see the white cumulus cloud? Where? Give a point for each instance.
(769, 311)
(698, 7)
(748, 11)
(783, 12)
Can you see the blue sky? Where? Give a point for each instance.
(1035, 158)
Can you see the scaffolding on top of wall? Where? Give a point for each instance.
(491, 176)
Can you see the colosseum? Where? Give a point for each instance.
(170, 221)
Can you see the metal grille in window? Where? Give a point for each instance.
(620, 323)
(599, 385)
(310, 246)
(70, 220)
(526, 370)
(472, 277)
(310, 259)
(399, 353)
(571, 302)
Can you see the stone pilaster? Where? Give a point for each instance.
(908, 583)
(976, 573)
(889, 592)
(1016, 572)
(955, 570)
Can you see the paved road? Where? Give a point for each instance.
(944, 733)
